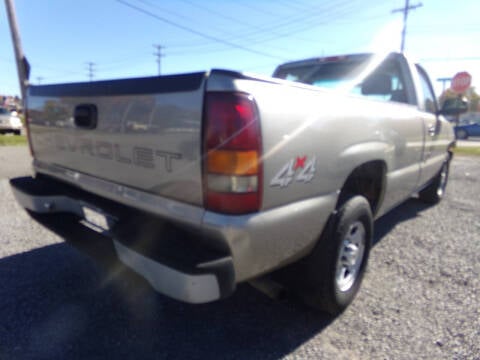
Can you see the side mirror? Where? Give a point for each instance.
(454, 106)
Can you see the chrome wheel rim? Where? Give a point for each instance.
(443, 181)
(350, 257)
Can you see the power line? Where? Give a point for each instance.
(220, 14)
(198, 33)
(328, 14)
(291, 26)
(283, 27)
(266, 33)
(7, 60)
(190, 19)
(159, 55)
(257, 9)
(292, 5)
(473, 58)
(299, 20)
(296, 25)
(405, 11)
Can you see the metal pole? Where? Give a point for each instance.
(404, 30)
(405, 11)
(159, 55)
(90, 70)
(23, 68)
(444, 82)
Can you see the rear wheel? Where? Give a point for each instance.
(435, 192)
(329, 278)
(17, 132)
(461, 134)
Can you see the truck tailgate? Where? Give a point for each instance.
(143, 133)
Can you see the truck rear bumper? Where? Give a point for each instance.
(258, 242)
(192, 288)
(168, 257)
(234, 248)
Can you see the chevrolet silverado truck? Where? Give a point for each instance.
(205, 180)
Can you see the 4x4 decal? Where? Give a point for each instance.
(299, 169)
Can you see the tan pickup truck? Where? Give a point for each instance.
(205, 180)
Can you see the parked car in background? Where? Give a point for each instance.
(466, 129)
(9, 122)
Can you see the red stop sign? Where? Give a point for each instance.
(461, 82)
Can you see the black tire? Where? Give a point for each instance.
(316, 278)
(461, 134)
(17, 132)
(435, 191)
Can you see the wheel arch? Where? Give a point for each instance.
(367, 179)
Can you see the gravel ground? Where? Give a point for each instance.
(419, 299)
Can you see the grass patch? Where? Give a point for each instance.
(464, 150)
(13, 140)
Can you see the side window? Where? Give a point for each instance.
(427, 98)
(385, 83)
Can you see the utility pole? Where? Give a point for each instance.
(23, 66)
(39, 79)
(158, 54)
(90, 70)
(405, 11)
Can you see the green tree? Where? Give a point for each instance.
(474, 100)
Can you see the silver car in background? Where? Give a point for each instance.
(9, 122)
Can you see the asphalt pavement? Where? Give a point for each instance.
(419, 299)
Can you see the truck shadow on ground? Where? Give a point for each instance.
(56, 303)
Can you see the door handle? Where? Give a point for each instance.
(432, 130)
(85, 116)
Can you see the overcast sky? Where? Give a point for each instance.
(61, 36)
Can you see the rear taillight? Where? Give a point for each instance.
(232, 169)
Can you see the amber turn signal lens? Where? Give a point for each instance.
(232, 162)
